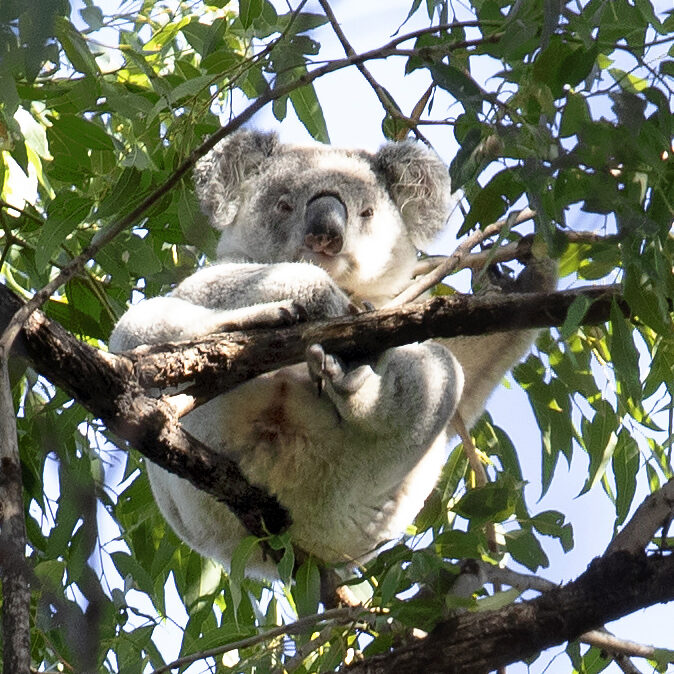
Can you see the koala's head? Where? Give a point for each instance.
(358, 215)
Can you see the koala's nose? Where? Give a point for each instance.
(325, 220)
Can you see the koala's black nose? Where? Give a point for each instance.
(325, 220)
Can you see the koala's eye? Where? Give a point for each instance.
(284, 206)
(367, 212)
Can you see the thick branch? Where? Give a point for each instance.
(219, 362)
(105, 385)
(13, 567)
(656, 510)
(613, 586)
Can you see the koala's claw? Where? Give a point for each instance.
(324, 367)
(293, 312)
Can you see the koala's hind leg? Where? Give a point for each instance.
(402, 403)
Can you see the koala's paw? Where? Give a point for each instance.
(292, 312)
(271, 315)
(325, 368)
(538, 276)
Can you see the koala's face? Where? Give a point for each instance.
(358, 215)
(327, 207)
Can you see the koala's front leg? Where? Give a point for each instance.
(403, 402)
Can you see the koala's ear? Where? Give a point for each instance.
(218, 176)
(418, 182)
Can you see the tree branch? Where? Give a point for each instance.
(13, 568)
(453, 261)
(650, 516)
(219, 362)
(335, 616)
(105, 385)
(385, 98)
(471, 643)
(109, 386)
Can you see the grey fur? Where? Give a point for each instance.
(354, 464)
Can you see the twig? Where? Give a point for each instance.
(648, 518)
(522, 581)
(305, 650)
(617, 646)
(453, 261)
(625, 664)
(335, 615)
(504, 253)
(391, 107)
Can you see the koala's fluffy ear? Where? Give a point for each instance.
(218, 176)
(418, 182)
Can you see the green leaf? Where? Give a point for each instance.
(645, 302)
(249, 10)
(575, 116)
(243, 552)
(85, 135)
(50, 573)
(93, 17)
(301, 23)
(494, 502)
(498, 600)
(64, 213)
(456, 544)
(287, 564)
(552, 523)
(75, 47)
(494, 199)
(575, 315)
(128, 566)
(307, 590)
(525, 549)
(624, 355)
(625, 464)
(308, 109)
(552, 407)
(461, 85)
(663, 657)
(600, 441)
(390, 584)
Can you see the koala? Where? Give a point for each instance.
(325, 229)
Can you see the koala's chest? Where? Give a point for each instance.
(272, 418)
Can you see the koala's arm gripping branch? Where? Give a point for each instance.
(219, 362)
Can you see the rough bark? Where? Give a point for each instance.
(613, 586)
(222, 361)
(13, 568)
